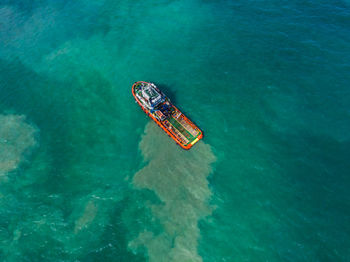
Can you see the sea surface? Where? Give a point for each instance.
(85, 175)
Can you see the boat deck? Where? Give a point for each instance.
(177, 125)
(182, 127)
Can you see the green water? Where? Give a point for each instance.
(86, 176)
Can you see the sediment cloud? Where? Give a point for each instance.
(179, 179)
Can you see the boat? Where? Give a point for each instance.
(159, 107)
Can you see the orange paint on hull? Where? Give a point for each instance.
(184, 146)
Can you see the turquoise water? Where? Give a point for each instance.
(86, 176)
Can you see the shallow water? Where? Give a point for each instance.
(86, 176)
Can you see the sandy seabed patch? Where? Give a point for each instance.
(16, 138)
